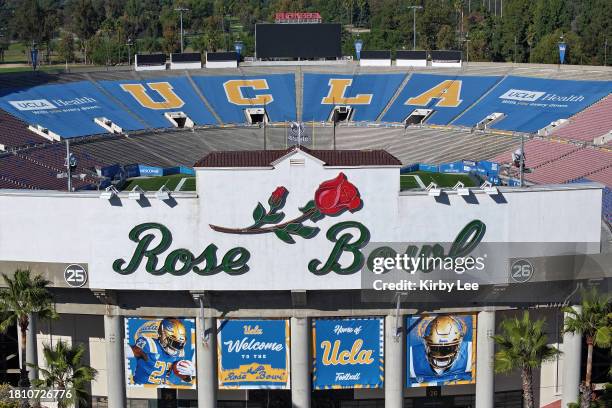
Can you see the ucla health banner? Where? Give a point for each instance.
(441, 350)
(253, 354)
(530, 104)
(348, 353)
(160, 353)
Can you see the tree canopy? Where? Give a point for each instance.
(524, 31)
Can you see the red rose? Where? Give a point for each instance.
(277, 196)
(333, 196)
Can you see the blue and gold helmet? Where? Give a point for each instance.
(172, 336)
(443, 336)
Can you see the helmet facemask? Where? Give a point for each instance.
(172, 336)
(443, 337)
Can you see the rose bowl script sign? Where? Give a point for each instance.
(310, 226)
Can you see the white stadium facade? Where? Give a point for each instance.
(262, 287)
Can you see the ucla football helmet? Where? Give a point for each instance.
(443, 336)
(172, 336)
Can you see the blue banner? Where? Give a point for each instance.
(160, 353)
(66, 109)
(367, 94)
(562, 47)
(230, 96)
(150, 99)
(530, 104)
(253, 354)
(446, 95)
(348, 353)
(441, 350)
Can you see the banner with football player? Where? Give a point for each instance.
(348, 353)
(160, 352)
(253, 354)
(441, 350)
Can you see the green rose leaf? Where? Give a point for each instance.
(307, 232)
(284, 236)
(259, 212)
(309, 206)
(293, 227)
(274, 218)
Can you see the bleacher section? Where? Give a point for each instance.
(590, 124)
(576, 165)
(68, 109)
(380, 98)
(530, 104)
(446, 95)
(15, 133)
(151, 98)
(231, 95)
(539, 152)
(366, 94)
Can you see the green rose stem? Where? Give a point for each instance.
(260, 230)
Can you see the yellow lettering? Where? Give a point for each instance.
(233, 91)
(337, 92)
(333, 355)
(164, 89)
(447, 92)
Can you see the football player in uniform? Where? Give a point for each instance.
(160, 359)
(443, 355)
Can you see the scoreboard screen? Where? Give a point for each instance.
(298, 41)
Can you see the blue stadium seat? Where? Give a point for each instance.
(151, 98)
(66, 109)
(367, 94)
(446, 95)
(231, 95)
(531, 104)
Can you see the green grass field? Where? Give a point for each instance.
(441, 179)
(155, 183)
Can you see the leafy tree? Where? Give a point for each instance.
(523, 345)
(547, 50)
(64, 370)
(24, 296)
(66, 47)
(594, 322)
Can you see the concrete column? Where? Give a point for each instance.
(485, 349)
(394, 357)
(300, 363)
(206, 355)
(115, 374)
(572, 348)
(31, 347)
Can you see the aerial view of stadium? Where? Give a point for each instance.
(294, 203)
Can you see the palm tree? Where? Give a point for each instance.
(65, 371)
(23, 296)
(523, 345)
(594, 321)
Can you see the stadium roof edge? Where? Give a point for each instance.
(267, 158)
(506, 189)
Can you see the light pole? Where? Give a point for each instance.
(129, 45)
(467, 48)
(606, 52)
(181, 10)
(414, 9)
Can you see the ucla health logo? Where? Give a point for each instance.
(33, 104)
(522, 95)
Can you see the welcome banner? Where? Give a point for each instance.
(348, 353)
(253, 354)
(441, 350)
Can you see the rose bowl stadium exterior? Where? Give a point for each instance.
(290, 275)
